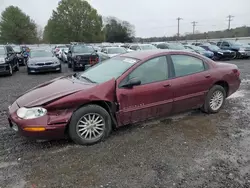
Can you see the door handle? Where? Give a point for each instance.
(207, 76)
(166, 85)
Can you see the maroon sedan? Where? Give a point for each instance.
(123, 90)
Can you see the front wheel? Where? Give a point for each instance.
(89, 125)
(10, 73)
(214, 100)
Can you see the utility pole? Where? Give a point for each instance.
(230, 18)
(194, 24)
(178, 33)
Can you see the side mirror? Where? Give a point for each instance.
(69, 52)
(132, 82)
(96, 50)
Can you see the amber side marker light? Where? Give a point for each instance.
(34, 129)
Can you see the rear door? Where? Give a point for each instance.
(153, 98)
(191, 81)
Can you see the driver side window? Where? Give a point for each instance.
(153, 70)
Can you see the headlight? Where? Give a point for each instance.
(220, 53)
(31, 113)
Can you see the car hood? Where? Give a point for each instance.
(42, 59)
(52, 90)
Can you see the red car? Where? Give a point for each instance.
(126, 89)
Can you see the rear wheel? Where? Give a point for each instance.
(69, 64)
(10, 73)
(215, 99)
(17, 66)
(73, 66)
(89, 125)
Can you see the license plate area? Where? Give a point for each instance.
(13, 126)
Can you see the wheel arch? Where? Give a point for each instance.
(110, 107)
(223, 84)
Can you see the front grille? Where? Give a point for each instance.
(2, 68)
(45, 63)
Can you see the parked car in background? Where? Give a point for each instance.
(22, 57)
(8, 60)
(136, 47)
(81, 56)
(173, 46)
(42, 60)
(201, 51)
(242, 51)
(64, 55)
(113, 51)
(220, 54)
(62, 52)
(125, 89)
(197, 43)
(102, 56)
(57, 48)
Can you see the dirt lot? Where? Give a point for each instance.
(191, 150)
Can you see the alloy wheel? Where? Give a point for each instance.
(216, 100)
(91, 126)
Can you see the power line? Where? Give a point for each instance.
(178, 33)
(230, 18)
(194, 24)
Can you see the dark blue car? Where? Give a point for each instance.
(219, 54)
(200, 50)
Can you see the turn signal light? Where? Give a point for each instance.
(34, 129)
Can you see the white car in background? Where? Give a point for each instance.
(57, 49)
(137, 47)
(114, 51)
(63, 54)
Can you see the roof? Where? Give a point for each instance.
(144, 54)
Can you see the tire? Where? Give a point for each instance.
(17, 67)
(220, 91)
(10, 73)
(85, 111)
(73, 66)
(69, 64)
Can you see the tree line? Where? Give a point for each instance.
(78, 21)
(232, 33)
(72, 21)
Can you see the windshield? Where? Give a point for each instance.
(111, 68)
(116, 50)
(41, 53)
(17, 48)
(176, 46)
(83, 49)
(148, 47)
(236, 44)
(198, 48)
(213, 47)
(2, 51)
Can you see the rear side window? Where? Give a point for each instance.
(186, 65)
(219, 43)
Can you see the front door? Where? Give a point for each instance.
(153, 98)
(190, 82)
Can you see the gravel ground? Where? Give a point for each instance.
(192, 150)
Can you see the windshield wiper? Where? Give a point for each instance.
(86, 78)
(78, 76)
